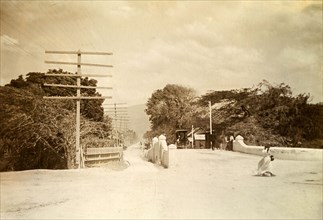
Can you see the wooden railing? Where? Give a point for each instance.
(101, 156)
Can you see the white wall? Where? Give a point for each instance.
(283, 153)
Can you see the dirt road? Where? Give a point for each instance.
(200, 184)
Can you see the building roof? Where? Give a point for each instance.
(197, 130)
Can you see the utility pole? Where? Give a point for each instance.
(116, 111)
(211, 139)
(192, 136)
(79, 152)
(78, 115)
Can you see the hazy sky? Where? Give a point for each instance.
(204, 45)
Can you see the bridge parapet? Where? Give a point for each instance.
(159, 152)
(284, 153)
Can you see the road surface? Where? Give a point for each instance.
(200, 184)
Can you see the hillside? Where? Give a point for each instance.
(139, 120)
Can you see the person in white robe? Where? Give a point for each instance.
(265, 164)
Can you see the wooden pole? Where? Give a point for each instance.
(120, 130)
(78, 112)
(78, 52)
(192, 136)
(77, 87)
(116, 104)
(74, 97)
(123, 118)
(116, 124)
(114, 108)
(117, 114)
(210, 107)
(79, 159)
(81, 64)
(76, 75)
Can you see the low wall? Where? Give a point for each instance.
(151, 153)
(283, 153)
(159, 152)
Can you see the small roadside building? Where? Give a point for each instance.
(199, 139)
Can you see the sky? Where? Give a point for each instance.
(205, 45)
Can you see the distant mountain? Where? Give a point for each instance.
(139, 120)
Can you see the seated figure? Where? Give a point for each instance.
(264, 165)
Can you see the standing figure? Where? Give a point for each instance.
(223, 142)
(230, 144)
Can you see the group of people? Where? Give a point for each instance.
(224, 143)
(264, 165)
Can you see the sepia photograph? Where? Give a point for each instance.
(155, 109)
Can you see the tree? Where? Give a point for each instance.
(284, 120)
(169, 109)
(31, 130)
(19, 83)
(91, 109)
(39, 133)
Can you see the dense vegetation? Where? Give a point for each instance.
(169, 109)
(264, 115)
(40, 133)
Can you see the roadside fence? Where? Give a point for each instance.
(102, 156)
